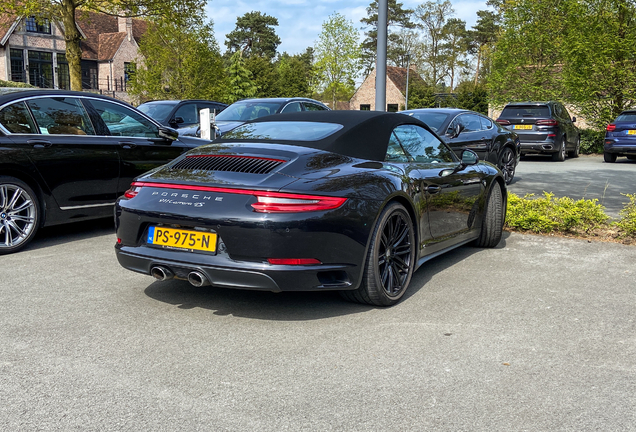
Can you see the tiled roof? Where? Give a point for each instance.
(398, 76)
(6, 21)
(98, 29)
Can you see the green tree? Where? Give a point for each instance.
(599, 58)
(482, 39)
(241, 83)
(337, 56)
(455, 48)
(295, 76)
(64, 12)
(421, 95)
(398, 19)
(432, 16)
(254, 35)
(264, 76)
(172, 66)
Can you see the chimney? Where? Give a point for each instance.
(124, 25)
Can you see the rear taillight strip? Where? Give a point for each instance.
(267, 202)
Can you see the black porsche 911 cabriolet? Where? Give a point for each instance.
(352, 201)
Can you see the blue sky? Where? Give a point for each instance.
(300, 21)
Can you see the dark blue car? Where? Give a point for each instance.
(620, 138)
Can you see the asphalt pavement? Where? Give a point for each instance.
(538, 334)
(584, 177)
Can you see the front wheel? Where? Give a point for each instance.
(390, 260)
(19, 214)
(508, 164)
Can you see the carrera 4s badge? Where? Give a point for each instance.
(178, 198)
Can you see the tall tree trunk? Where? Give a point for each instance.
(72, 38)
(478, 65)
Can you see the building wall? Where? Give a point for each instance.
(365, 95)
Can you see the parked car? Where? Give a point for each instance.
(249, 109)
(66, 156)
(620, 137)
(179, 114)
(543, 127)
(352, 201)
(464, 129)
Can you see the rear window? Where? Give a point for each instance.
(627, 117)
(432, 119)
(283, 131)
(157, 111)
(525, 111)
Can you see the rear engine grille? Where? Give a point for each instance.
(243, 164)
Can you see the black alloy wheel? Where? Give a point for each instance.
(609, 157)
(390, 260)
(19, 214)
(507, 164)
(560, 155)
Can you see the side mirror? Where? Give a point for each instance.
(457, 130)
(168, 134)
(469, 157)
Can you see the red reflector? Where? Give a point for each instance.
(549, 122)
(611, 127)
(293, 261)
(551, 135)
(503, 122)
(118, 241)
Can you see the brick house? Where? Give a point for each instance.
(35, 53)
(364, 97)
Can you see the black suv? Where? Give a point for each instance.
(179, 113)
(543, 127)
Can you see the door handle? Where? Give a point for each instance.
(39, 143)
(433, 189)
(127, 145)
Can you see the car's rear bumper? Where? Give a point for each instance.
(539, 147)
(227, 273)
(618, 147)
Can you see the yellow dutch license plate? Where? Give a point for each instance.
(526, 127)
(631, 132)
(183, 239)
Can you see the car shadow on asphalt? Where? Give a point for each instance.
(291, 306)
(67, 233)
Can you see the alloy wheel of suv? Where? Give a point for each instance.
(560, 155)
(577, 149)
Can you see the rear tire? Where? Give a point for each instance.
(577, 150)
(609, 157)
(19, 214)
(390, 260)
(508, 164)
(492, 224)
(560, 155)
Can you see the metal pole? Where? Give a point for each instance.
(408, 67)
(380, 69)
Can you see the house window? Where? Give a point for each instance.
(33, 26)
(129, 69)
(63, 76)
(89, 75)
(392, 108)
(17, 65)
(365, 107)
(41, 69)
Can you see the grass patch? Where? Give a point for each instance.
(583, 218)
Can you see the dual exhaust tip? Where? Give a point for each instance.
(195, 278)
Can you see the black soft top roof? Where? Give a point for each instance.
(364, 135)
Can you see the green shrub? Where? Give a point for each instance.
(15, 84)
(628, 216)
(549, 214)
(592, 141)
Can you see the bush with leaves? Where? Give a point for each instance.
(628, 216)
(549, 214)
(592, 141)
